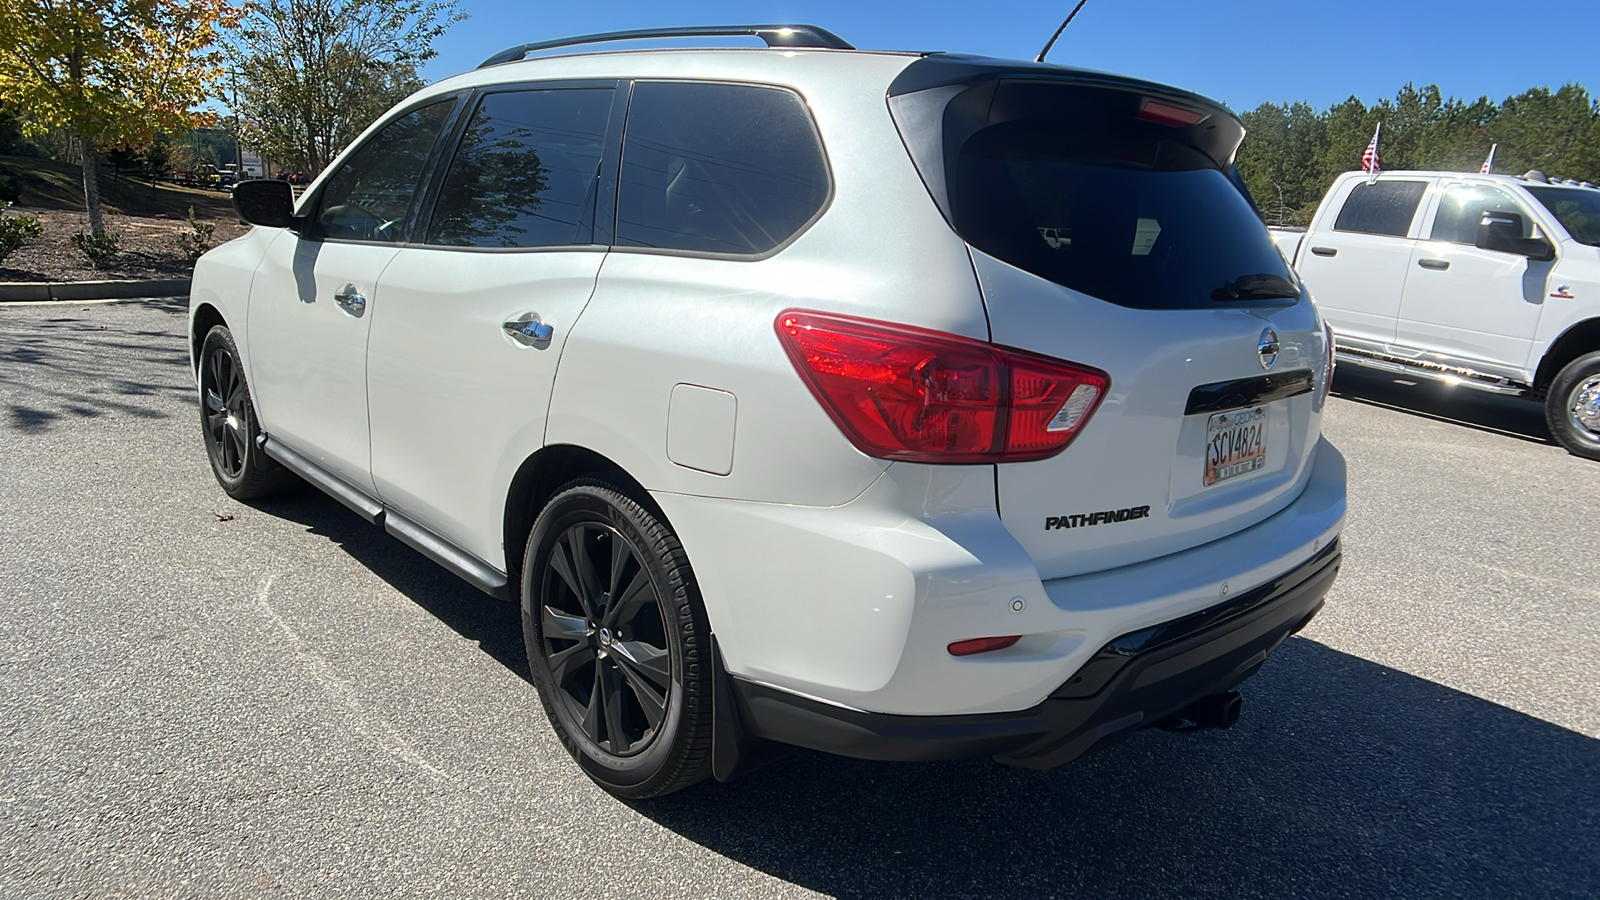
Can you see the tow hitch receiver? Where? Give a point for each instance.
(1216, 711)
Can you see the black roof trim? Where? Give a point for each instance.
(774, 35)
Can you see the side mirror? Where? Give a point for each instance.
(1502, 232)
(264, 202)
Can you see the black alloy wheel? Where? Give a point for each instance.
(229, 420)
(617, 641)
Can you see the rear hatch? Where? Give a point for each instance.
(1108, 228)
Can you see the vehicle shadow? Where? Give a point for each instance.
(494, 625)
(1344, 778)
(1498, 414)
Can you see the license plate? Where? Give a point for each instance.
(1236, 443)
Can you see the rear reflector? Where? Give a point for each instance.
(899, 392)
(1167, 114)
(983, 645)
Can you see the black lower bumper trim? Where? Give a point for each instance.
(1134, 682)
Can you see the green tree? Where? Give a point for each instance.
(109, 71)
(311, 74)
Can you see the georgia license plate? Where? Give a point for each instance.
(1236, 443)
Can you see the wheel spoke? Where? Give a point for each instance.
(560, 626)
(214, 401)
(650, 663)
(564, 662)
(624, 606)
(583, 567)
(621, 555)
(240, 450)
(215, 422)
(595, 711)
(650, 700)
(560, 562)
(611, 684)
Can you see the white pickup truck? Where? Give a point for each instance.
(1487, 281)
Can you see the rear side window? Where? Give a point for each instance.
(718, 168)
(526, 171)
(370, 195)
(1462, 207)
(1382, 207)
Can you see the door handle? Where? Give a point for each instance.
(350, 300)
(1325, 251)
(528, 331)
(1437, 265)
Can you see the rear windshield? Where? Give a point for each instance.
(1068, 183)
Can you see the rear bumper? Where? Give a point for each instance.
(1133, 682)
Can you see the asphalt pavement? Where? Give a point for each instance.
(200, 698)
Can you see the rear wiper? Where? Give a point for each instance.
(1256, 287)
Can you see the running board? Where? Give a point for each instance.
(459, 562)
(1454, 375)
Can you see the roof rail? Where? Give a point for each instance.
(774, 35)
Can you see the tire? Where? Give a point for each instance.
(618, 641)
(228, 420)
(1572, 406)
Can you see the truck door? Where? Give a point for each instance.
(1357, 267)
(1466, 305)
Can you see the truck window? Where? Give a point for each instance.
(1383, 207)
(1463, 206)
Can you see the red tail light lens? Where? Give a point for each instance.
(982, 645)
(899, 392)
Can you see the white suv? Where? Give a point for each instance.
(897, 405)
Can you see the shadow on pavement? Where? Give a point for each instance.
(494, 625)
(1512, 416)
(1344, 778)
(55, 369)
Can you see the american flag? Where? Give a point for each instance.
(1369, 159)
(1488, 164)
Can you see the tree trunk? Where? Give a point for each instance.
(91, 188)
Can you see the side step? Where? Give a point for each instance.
(1419, 368)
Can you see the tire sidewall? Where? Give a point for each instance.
(220, 340)
(590, 503)
(1558, 407)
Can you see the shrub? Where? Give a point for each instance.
(99, 250)
(197, 240)
(15, 231)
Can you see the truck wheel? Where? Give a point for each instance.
(1572, 406)
(618, 642)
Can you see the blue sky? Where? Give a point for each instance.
(1240, 53)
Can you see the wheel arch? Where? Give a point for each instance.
(536, 482)
(1584, 337)
(205, 317)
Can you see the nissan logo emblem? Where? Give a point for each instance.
(1268, 348)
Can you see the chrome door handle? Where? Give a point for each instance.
(528, 331)
(350, 300)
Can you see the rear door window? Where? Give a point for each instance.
(526, 172)
(371, 194)
(1381, 207)
(718, 168)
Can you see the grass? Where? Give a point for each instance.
(45, 184)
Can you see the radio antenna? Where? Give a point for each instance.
(1052, 42)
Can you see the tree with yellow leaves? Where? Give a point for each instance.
(110, 71)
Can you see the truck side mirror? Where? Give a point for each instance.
(265, 202)
(1502, 232)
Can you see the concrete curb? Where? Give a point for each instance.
(93, 290)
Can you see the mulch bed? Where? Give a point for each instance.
(149, 247)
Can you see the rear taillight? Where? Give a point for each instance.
(899, 392)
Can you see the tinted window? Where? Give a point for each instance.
(1147, 224)
(1383, 207)
(1578, 211)
(526, 171)
(368, 197)
(718, 168)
